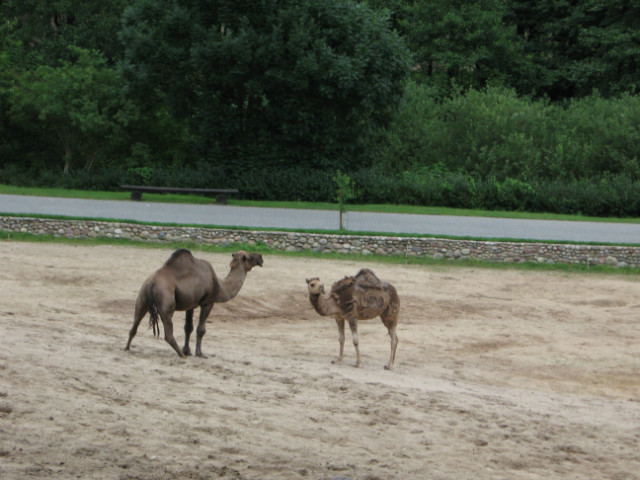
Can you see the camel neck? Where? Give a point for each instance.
(322, 305)
(231, 284)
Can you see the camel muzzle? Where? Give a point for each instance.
(257, 259)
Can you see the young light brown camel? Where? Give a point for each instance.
(184, 283)
(362, 297)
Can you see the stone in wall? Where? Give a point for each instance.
(437, 248)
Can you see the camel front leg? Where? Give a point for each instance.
(202, 328)
(353, 324)
(340, 322)
(188, 328)
(394, 346)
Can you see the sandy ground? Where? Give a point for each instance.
(499, 375)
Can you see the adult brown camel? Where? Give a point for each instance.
(184, 283)
(362, 297)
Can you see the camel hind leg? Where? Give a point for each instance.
(163, 295)
(353, 324)
(167, 324)
(166, 310)
(140, 311)
(390, 320)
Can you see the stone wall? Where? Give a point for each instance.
(438, 248)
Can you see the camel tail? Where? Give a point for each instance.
(153, 313)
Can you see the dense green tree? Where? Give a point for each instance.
(269, 82)
(13, 60)
(459, 44)
(80, 104)
(48, 27)
(8, 67)
(556, 48)
(464, 42)
(397, 10)
(579, 46)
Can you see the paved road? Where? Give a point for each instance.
(321, 219)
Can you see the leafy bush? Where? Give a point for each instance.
(496, 133)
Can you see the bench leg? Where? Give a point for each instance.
(136, 195)
(221, 198)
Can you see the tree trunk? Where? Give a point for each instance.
(89, 165)
(67, 159)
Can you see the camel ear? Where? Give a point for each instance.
(236, 260)
(308, 280)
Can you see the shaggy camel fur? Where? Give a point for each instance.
(362, 297)
(184, 283)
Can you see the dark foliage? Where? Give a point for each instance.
(513, 105)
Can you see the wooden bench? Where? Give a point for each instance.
(221, 194)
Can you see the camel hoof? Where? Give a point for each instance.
(387, 367)
(186, 351)
(201, 355)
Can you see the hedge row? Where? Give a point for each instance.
(613, 195)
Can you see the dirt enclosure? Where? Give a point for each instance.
(499, 375)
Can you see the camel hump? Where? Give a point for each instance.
(343, 287)
(365, 278)
(178, 255)
(370, 293)
(342, 291)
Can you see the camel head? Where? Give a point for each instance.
(315, 286)
(246, 260)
